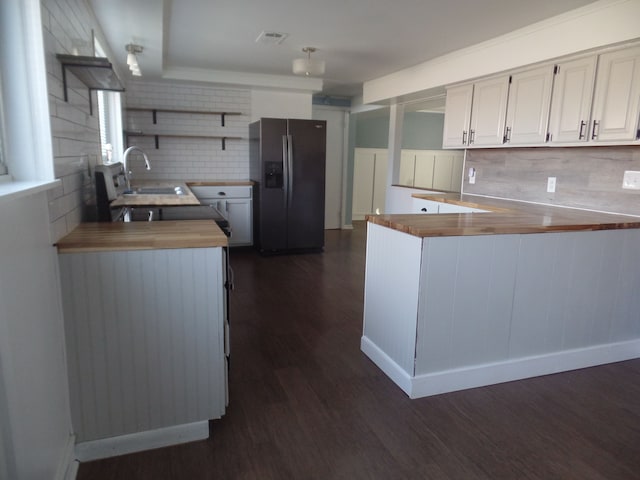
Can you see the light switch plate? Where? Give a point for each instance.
(551, 184)
(631, 180)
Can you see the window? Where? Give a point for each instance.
(110, 119)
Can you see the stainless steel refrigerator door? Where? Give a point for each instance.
(305, 214)
(272, 221)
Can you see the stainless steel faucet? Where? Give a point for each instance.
(125, 156)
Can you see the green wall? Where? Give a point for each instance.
(420, 130)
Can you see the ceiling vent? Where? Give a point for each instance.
(271, 38)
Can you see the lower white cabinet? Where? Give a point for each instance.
(235, 203)
(145, 337)
(420, 205)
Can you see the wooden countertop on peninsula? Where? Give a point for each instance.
(504, 217)
(122, 236)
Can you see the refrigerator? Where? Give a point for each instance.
(287, 166)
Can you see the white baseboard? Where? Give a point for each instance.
(137, 442)
(394, 371)
(346, 226)
(490, 374)
(67, 467)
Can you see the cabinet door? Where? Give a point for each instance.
(363, 169)
(424, 169)
(528, 106)
(407, 168)
(488, 112)
(571, 100)
(616, 102)
(457, 116)
(420, 205)
(380, 182)
(239, 215)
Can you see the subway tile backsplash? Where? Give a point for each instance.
(183, 157)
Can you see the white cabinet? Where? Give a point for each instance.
(239, 215)
(528, 106)
(457, 116)
(235, 204)
(616, 104)
(488, 112)
(588, 99)
(420, 205)
(145, 333)
(475, 113)
(369, 181)
(571, 100)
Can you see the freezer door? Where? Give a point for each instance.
(271, 227)
(306, 170)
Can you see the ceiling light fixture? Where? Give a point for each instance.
(132, 59)
(308, 66)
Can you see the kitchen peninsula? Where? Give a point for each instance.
(145, 326)
(461, 300)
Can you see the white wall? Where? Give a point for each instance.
(35, 421)
(277, 104)
(599, 24)
(67, 27)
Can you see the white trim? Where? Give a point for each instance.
(137, 442)
(490, 374)
(14, 190)
(394, 371)
(68, 467)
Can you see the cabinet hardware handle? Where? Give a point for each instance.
(594, 134)
(581, 133)
(472, 136)
(423, 209)
(464, 137)
(507, 136)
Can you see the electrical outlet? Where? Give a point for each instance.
(551, 184)
(631, 180)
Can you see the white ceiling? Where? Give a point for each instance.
(214, 40)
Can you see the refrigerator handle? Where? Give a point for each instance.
(285, 169)
(290, 169)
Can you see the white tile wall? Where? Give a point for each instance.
(67, 27)
(187, 158)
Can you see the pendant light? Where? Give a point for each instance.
(132, 59)
(308, 66)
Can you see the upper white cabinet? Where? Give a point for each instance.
(488, 112)
(475, 114)
(457, 116)
(584, 100)
(571, 102)
(616, 105)
(528, 106)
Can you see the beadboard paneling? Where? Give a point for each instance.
(587, 177)
(145, 339)
(391, 293)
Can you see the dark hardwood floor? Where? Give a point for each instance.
(305, 403)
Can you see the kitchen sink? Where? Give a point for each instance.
(155, 191)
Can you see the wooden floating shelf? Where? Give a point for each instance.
(155, 111)
(175, 135)
(95, 72)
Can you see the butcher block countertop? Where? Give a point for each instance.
(121, 236)
(220, 183)
(504, 217)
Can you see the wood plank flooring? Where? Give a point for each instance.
(305, 403)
